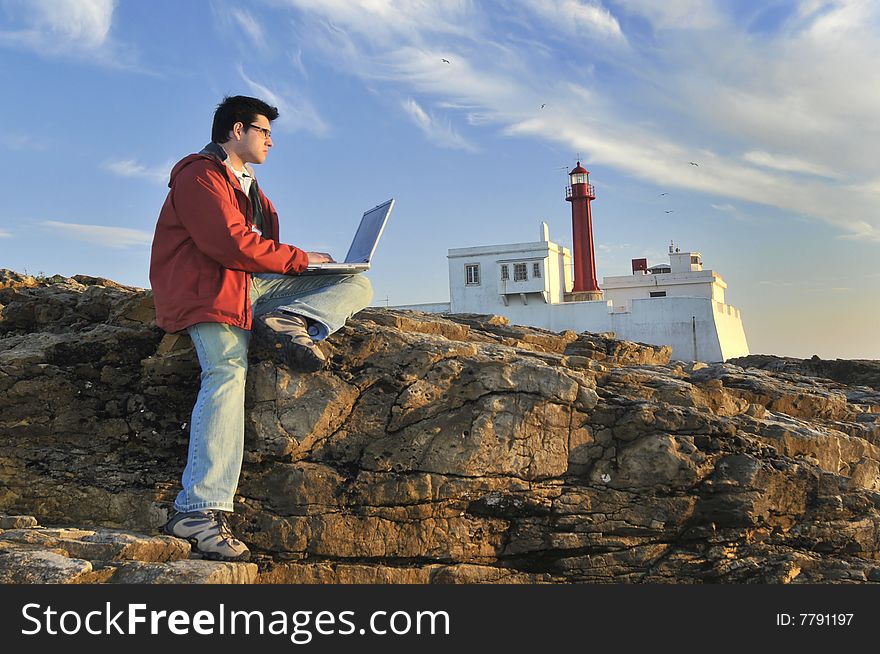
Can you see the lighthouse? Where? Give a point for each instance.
(680, 304)
(580, 194)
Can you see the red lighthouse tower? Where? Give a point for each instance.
(580, 194)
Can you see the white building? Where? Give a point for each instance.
(677, 304)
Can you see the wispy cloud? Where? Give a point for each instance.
(808, 285)
(777, 284)
(21, 142)
(440, 132)
(615, 247)
(59, 23)
(132, 168)
(69, 28)
(250, 26)
(5, 234)
(294, 115)
(786, 164)
(387, 18)
(861, 230)
(799, 100)
(101, 235)
(296, 60)
(675, 14)
(237, 22)
(574, 16)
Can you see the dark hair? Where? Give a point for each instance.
(238, 109)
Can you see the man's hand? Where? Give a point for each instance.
(319, 257)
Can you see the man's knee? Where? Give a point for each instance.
(227, 371)
(363, 294)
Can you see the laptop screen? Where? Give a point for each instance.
(368, 233)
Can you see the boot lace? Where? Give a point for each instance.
(223, 524)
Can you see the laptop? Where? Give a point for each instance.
(362, 247)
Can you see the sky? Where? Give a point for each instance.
(775, 100)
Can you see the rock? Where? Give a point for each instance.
(41, 567)
(101, 544)
(610, 351)
(333, 573)
(433, 449)
(851, 372)
(185, 572)
(17, 521)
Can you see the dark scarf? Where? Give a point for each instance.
(216, 151)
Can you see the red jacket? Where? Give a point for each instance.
(204, 250)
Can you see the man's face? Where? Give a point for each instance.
(254, 145)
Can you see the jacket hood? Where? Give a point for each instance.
(212, 151)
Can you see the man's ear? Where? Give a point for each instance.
(237, 131)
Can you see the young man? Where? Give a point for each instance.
(218, 270)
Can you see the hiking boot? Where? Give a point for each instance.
(209, 534)
(287, 334)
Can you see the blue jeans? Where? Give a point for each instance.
(216, 436)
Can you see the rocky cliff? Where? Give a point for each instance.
(852, 372)
(433, 450)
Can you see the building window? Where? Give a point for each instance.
(536, 270)
(505, 272)
(695, 259)
(658, 293)
(472, 274)
(519, 272)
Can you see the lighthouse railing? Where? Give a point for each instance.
(591, 191)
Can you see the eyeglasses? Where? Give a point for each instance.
(267, 133)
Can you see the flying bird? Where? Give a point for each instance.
(446, 61)
(693, 163)
(670, 211)
(543, 105)
(664, 194)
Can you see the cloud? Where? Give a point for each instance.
(294, 115)
(55, 27)
(384, 19)
(22, 142)
(439, 132)
(612, 247)
(131, 168)
(112, 237)
(861, 230)
(236, 23)
(84, 23)
(296, 60)
(574, 16)
(5, 234)
(799, 100)
(786, 164)
(249, 26)
(777, 284)
(675, 14)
